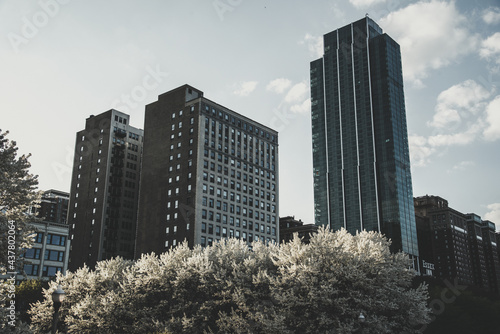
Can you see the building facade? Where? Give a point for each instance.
(208, 173)
(491, 256)
(449, 238)
(289, 226)
(477, 251)
(462, 246)
(50, 252)
(104, 189)
(361, 159)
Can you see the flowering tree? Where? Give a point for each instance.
(17, 194)
(295, 288)
(324, 286)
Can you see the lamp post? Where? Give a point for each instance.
(57, 298)
(361, 320)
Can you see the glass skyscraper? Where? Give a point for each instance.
(361, 160)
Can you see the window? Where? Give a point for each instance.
(55, 239)
(31, 269)
(39, 237)
(32, 253)
(54, 255)
(50, 271)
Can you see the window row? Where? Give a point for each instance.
(211, 229)
(220, 205)
(222, 218)
(210, 110)
(176, 191)
(246, 167)
(52, 239)
(238, 187)
(120, 119)
(235, 136)
(240, 176)
(179, 134)
(208, 241)
(48, 271)
(264, 163)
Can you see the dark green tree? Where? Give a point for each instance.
(28, 292)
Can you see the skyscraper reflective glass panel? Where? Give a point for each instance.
(362, 177)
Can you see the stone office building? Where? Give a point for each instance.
(208, 173)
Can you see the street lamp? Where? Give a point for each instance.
(361, 320)
(57, 298)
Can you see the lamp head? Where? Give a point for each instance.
(58, 295)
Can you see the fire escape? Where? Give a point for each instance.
(112, 226)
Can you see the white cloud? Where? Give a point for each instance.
(492, 131)
(492, 15)
(462, 166)
(295, 101)
(365, 3)
(301, 108)
(494, 214)
(458, 102)
(337, 12)
(245, 88)
(314, 44)
(464, 113)
(460, 138)
(297, 93)
(490, 48)
(420, 151)
(278, 85)
(431, 34)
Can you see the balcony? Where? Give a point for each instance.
(120, 133)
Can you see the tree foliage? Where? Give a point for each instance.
(228, 288)
(17, 195)
(18, 192)
(27, 293)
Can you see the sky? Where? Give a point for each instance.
(63, 60)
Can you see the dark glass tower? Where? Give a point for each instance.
(361, 160)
